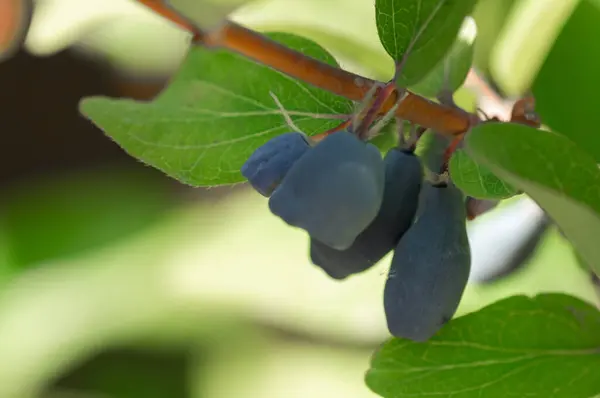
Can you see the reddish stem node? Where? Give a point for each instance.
(450, 151)
(324, 134)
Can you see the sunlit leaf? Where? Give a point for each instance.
(452, 71)
(423, 30)
(217, 110)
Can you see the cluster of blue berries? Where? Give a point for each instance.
(357, 207)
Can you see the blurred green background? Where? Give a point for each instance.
(118, 282)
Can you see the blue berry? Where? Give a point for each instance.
(334, 191)
(430, 267)
(267, 166)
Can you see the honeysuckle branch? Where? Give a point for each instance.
(445, 120)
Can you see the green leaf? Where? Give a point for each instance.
(452, 72)
(547, 346)
(215, 113)
(551, 169)
(424, 30)
(571, 107)
(476, 180)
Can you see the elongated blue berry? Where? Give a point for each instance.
(430, 267)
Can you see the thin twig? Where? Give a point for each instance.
(415, 136)
(400, 133)
(449, 152)
(286, 116)
(381, 123)
(380, 99)
(363, 106)
(341, 127)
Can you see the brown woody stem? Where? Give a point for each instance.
(414, 108)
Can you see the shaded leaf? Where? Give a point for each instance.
(521, 347)
(452, 72)
(571, 107)
(423, 29)
(217, 110)
(476, 180)
(555, 172)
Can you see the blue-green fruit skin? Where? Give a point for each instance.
(403, 178)
(430, 267)
(334, 191)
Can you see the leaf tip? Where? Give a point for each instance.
(87, 105)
